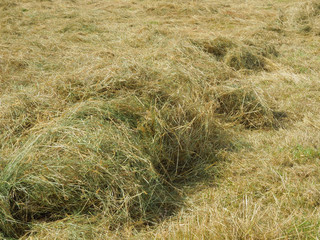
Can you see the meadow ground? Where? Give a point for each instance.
(150, 119)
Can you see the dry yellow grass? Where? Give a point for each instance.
(159, 119)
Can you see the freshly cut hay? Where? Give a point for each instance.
(244, 55)
(6, 4)
(244, 58)
(88, 161)
(101, 156)
(74, 89)
(124, 80)
(75, 227)
(303, 17)
(219, 47)
(181, 140)
(16, 114)
(10, 65)
(269, 50)
(307, 11)
(264, 49)
(20, 112)
(245, 106)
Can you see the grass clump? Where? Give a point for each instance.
(182, 137)
(303, 17)
(265, 49)
(243, 58)
(102, 157)
(219, 47)
(88, 161)
(308, 11)
(244, 55)
(19, 113)
(245, 106)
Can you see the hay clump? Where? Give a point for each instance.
(269, 50)
(245, 106)
(89, 161)
(244, 58)
(244, 55)
(20, 112)
(101, 157)
(183, 141)
(308, 11)
(219, 47)
(303, 17)
(262, 48)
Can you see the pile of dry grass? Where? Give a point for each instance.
(244, 55)
(88, 161)
(120, 157)
(303, 17)
(118, 147)
(111, 123)
(219, 47)
(20, 112)
(243, 58)
(244, 105)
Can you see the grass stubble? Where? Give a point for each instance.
(159, 119)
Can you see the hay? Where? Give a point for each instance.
(243, 58)
(303, 17)
(87, 162)
(107, 157)
(245, 106)
(112, 117)
(264, 49)
(19, 113)
(245, 55)
(219, 47)
(307, 11)
(119, 147)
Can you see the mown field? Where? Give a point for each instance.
(145, 119)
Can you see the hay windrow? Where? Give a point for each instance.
(101, 157)
(101, 169)
(109, 119)
(119, 146)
